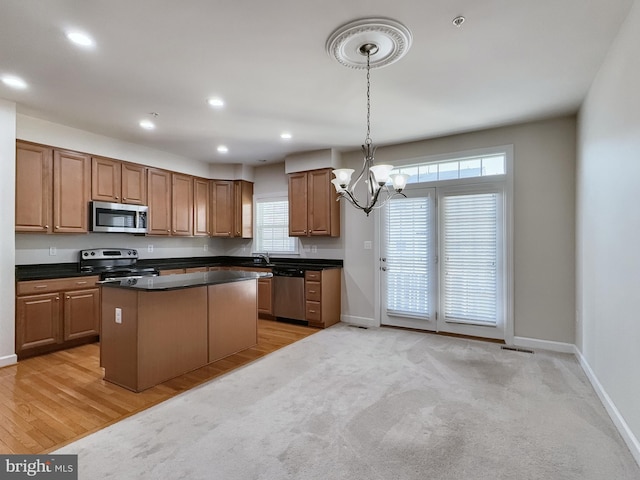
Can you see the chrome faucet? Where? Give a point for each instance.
(264, 256)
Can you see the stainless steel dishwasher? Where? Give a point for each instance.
(288, 293)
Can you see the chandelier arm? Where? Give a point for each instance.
(347, 195)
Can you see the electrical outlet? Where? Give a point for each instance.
(367, 244)
(118, 315)
(53, 251)
(149, 248)
(314, 249)
(205, 247)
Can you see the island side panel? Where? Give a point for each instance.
(233, 318)
(118, 341)
(172, 334)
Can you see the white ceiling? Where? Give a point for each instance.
(511, 61)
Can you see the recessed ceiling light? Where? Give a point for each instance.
(216, 102)
(285, 136)
(81, 39)
(147, 124)
(222, 149)
(14, 82)
(458, 21)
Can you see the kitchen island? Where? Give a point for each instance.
(157, 328)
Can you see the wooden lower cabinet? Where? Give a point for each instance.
(56, 314)
(322, 297)
(265, 296)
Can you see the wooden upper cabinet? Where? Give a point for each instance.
(159, 191)
(231, 208)
(182, 204)
(201, 207)
(324, 210)
(34, 165)
(298, 204)
(106, 177)
(313, 209)
(134, 184)
(243, 209)
(53, 188)
(71, 191)
(118, 182)
(222, 223)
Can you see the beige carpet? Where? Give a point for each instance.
(377, 404)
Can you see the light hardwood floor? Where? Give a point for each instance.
(54, 399)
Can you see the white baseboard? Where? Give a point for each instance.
(627, 435)
(359, 321)
(8, 360)
(544, 344)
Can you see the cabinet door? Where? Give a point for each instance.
(37, 321)
(222, 208)
(159, 190)
(105, 179)
(265, 296)
(81, 313)
(243, 209)
(200, 207)
(33, 188)
(134, 184)
(71, 191)
(182, 204)
(324, 210)
(298, 204)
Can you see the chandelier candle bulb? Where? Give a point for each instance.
(399, 181)
(381, 173)
(343, 175)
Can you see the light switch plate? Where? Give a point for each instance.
(367, 245)
(118, 315)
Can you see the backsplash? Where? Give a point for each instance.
(36, 249)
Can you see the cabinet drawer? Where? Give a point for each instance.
(55, 285)
(313, 275)
(313, 313)
(312, 291)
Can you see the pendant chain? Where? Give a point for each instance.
(367, 140)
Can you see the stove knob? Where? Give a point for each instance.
(135, 252)
(129, 252)
(93, 253)
(85, 254)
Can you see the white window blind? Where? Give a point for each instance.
(272, 227)
(408, 246)
(471, 249)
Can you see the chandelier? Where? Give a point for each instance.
(361, 44)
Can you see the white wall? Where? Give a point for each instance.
(7, 222)
(608, 226)
(544, 191)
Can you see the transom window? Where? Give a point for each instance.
(467, 167)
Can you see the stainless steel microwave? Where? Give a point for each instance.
(118, 217)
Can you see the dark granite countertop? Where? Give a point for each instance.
(61, 270)
(184, 280)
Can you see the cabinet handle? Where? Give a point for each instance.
(312, 311)
(117, 197)
(57, 298)
(68, 297)
(174, 230)
(41, 286)
(46, 227)
(57, 227)
(312, 291)
(123, 199)
(81, 283)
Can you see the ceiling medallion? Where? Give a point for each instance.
(392, 39)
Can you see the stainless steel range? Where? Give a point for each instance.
(114, 264)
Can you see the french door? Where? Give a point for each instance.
(442, 260)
